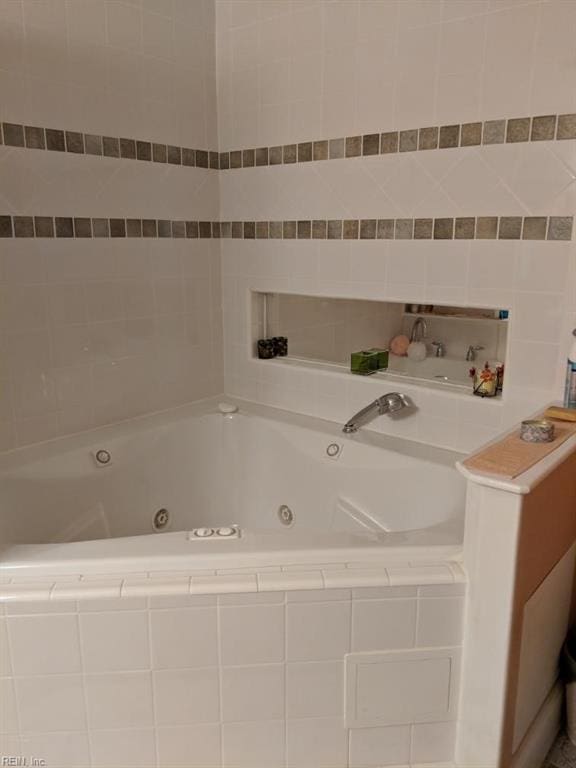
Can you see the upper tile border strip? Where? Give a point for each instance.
(75, 142)
(511, 131)
(459, 228)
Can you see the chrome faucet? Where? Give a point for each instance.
(390, 403)
(471, 352)
(419, 330)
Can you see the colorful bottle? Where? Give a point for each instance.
(570, 392)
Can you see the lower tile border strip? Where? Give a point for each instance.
(459, 228)
(349, 576)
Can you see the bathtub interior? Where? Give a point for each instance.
(210, 469)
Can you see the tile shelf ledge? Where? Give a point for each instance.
(435, 316)
(462, 390)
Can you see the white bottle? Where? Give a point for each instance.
(570, 392)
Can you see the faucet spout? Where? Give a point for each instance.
(389, 403)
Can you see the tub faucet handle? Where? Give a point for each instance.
(471, 352)
(440, 348)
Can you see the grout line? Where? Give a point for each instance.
(218, 608)
(84, 691)
(150, 671)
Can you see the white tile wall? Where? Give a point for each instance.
(377, 66)
(92, 332)
(500, 274)
(321, 68)
(201, 710)
(106, 67)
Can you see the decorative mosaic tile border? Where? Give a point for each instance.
(273, 579)
(511, 131)
(460, 228)
(58, 140)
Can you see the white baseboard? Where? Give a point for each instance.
(542, 732)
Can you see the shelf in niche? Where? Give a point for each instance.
(430, 315)
(440, 386)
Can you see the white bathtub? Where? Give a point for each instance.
(380, 499)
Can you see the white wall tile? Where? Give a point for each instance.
(317, 631)
(316, 741)
(130, 748)
(66, 750)
(53, 703)
(185, 697)
(8, 711)
(251, 635)
(253, 745)
(114, 642)
(120, 700)
(440, 621)
(379, 746)
(253, 693)
(183, 638)
(195, 746)
(5, 663)
(433, 742)
(314, 689)
(44, 644)
(383, 624)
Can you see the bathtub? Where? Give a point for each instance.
(291, 490)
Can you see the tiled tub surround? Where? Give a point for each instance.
(460, 228)
(230, 680)
(533, 280)
(96, 331)
(292, 72)
(109, 69)
(93, 330)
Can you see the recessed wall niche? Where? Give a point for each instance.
(327, 330)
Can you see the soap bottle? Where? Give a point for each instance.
(570, 392)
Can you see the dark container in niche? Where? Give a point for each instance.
(274, 347)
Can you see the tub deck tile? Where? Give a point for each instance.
(232, 581)
(209, 585)
(288, 580)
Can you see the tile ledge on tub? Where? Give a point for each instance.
(524, 483)
(137, 585)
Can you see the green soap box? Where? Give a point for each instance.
(368, 361)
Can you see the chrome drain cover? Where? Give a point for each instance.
(285, 515)
(161, 520)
